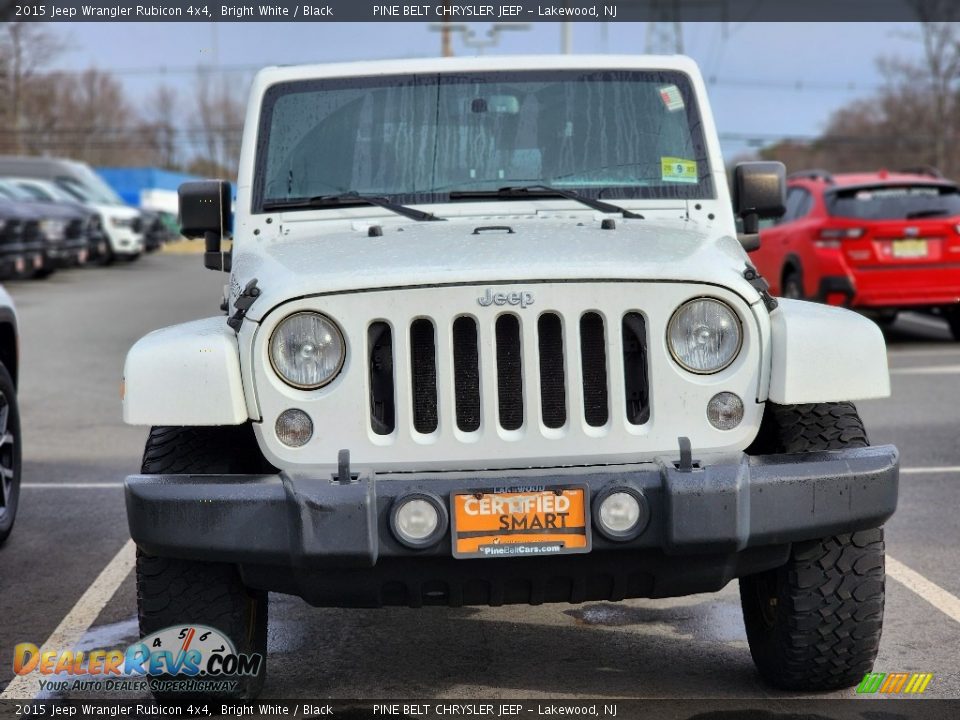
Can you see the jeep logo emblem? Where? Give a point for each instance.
(523, 298)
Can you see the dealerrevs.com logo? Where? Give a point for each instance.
(894, 683)
(186, 658)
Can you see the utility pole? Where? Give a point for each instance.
(665, 34)
(446, 46)
(474, 40)
(566, 37)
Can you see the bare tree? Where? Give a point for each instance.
(25, 50)
(914, 120)
(160, 128)
(218, 125)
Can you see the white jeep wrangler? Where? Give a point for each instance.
(492, 337)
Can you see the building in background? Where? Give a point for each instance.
(148, 188)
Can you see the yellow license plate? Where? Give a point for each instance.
(491, 524)
(909, 248)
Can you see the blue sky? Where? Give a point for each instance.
(765, 79)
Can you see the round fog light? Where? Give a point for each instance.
(418, 520)
(294, 428)
(725, 411)
(621, 513)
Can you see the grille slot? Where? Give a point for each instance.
(74, 229)
(635, 380)
(593, 358)
(509, 373)
(553, 399)
(423, 361)
(466, 374)
(382, 396)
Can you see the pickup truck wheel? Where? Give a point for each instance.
(174, 592)
(9, 454)
(814, 623)
(106, 257)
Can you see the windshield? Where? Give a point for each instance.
(414, 138)
(76, 190)
(15, 192)
(905, 202)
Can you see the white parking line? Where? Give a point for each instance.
(945, 350)
(943, 470)
(71, 486)
(927, 370)
(943, 601)
(76, 622)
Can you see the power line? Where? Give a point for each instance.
(798, 84)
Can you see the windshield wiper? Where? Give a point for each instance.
(346, 199)
(532, 191)
(931, 212)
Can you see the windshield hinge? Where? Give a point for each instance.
(757, 282)
(247, 298)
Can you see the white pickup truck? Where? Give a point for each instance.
(492, 337)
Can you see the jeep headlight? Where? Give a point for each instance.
(307, 350)
(704, 335)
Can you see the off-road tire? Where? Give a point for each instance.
(227, 450)
(815, 623)
(174, 592)
(10, 454)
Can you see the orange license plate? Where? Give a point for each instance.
(508, 523)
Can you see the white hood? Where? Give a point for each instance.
(315, 260)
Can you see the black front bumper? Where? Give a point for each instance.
(331, 543)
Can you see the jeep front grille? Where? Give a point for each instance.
(423, 361)
(466, 374)
(553, 388)
(459, 348)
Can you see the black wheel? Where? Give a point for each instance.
(9, 454)
(953, 320)
(174, 592)
(815, 623)
(792, 286)
(885, 320)
(107, 257)
(45, 270)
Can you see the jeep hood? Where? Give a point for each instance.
(315, 261)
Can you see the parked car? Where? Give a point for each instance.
(155, 232)
(49, 191)
(14, 257)
(122, 224)
(39, 237)
(65, 225)
(10, 438)
(520, 357)
(878, 242)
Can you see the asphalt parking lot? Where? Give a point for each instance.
(69, 549)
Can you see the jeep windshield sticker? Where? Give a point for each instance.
(678, 170)
(672, 99)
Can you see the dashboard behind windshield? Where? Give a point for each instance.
(415, 138)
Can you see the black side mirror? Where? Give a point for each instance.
(759, 191)
(205, 213)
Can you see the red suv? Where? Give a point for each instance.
(877, 242)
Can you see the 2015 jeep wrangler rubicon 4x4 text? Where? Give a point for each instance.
(492, 337)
